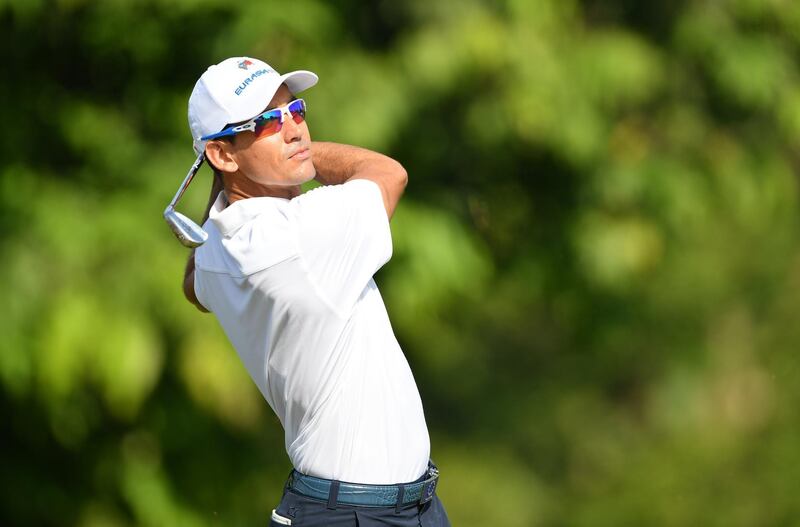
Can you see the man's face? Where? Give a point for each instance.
(280, 159)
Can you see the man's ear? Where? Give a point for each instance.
(219, 153)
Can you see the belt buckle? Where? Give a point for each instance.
(428, 490)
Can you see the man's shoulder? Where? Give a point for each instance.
(260, 242)
(326, 208)
(352, 189)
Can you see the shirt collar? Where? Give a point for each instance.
(229, 218)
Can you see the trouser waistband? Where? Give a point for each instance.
(342, 493)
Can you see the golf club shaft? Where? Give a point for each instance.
(192, 171)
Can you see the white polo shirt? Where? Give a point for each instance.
(290, 281)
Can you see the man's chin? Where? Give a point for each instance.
(313, 173)
(305, 175)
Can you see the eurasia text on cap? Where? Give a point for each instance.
(248, 80)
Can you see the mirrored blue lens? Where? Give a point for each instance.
(268, 123)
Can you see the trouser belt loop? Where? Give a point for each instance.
(401, 490)
(289, 482)
(333, 496)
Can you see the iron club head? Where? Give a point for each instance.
(188, 232)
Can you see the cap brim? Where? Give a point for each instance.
(299, 80)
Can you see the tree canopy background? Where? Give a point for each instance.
(596, 271)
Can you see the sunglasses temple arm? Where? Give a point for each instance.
(192, 171)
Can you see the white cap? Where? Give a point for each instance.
(237, 89)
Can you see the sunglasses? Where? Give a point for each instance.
(268, 123)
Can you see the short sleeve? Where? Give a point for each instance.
(343, 238)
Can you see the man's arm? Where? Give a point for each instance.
(337, 163)
(188, 284)
(188, 274)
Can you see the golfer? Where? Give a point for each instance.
(289, 277)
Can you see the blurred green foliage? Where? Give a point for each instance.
(596, 271)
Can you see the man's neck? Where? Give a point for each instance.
(235, 192)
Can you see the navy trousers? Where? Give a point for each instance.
(302, 511)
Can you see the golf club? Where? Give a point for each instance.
(188, 232)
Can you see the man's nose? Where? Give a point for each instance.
(291, 130)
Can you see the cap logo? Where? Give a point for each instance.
(249, 80)
(245, 64)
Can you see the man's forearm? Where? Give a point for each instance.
(188, 284)
(188, 274)
(337, 163)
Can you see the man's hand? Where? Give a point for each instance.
(336, 163)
